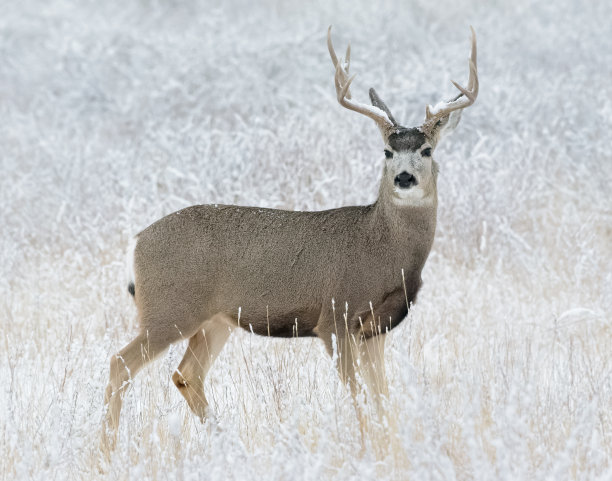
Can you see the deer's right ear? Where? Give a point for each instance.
(377, 102)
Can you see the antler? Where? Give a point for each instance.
(464, 99)
(343, 83)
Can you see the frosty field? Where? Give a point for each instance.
(114, 114)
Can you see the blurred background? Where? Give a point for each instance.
(116, 113)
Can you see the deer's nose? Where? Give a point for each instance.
(405, 180)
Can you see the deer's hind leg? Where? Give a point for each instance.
(204, 347)
(123, 367)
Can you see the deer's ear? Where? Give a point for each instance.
(450, 123)
(377, 102)
(443, 126)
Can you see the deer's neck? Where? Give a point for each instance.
(409, 226)
(408, 221)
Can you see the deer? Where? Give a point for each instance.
(206, 270)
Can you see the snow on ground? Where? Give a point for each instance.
(116, 113)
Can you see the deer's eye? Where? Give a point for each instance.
(426, 152)
(388, 154)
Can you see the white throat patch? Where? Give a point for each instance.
(415, 196)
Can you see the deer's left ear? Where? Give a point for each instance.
(451, 123)
(441, 127)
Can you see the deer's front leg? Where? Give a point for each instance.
(375, 323)
(372, 369)
(344, 350)
(341, 346)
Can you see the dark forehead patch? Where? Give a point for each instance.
(406, 139)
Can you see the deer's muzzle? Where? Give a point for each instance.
(405, 180)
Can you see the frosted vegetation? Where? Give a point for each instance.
(116, 113)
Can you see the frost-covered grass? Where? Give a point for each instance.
(115, 113)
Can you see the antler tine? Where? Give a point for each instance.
(342, 82)
(348, 57)
(338, 62)
(473, 59)
(347, 65)
(467, 96)
(330, 47)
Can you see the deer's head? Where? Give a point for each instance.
(410, 171)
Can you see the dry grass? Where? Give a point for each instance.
(115, 114)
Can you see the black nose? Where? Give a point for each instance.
(405, 180)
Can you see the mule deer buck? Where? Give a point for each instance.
(207, 269)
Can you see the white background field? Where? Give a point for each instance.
(115, 113)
